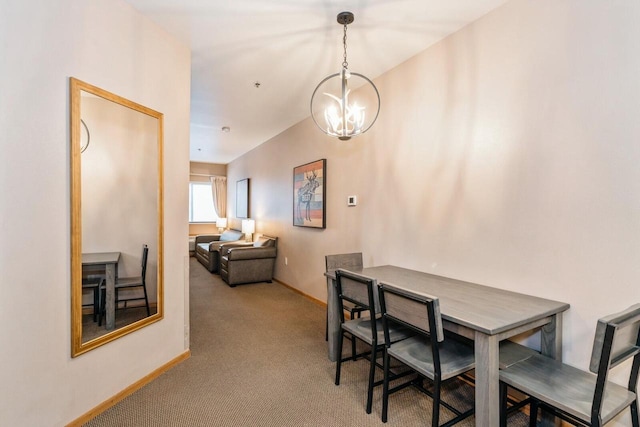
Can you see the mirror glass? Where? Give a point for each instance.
(116, 216)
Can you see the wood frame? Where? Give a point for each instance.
(309, 194)
(77, 88)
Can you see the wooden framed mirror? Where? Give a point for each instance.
(116, 210)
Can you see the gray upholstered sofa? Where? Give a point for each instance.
(208, 247)
(249, 264)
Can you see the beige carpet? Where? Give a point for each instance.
(259, 358)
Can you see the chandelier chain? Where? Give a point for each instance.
(344, 43)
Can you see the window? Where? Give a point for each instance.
(201, 203)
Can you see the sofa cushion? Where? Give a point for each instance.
(230, 235)
(263, 242)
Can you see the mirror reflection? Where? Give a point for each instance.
(116, 216)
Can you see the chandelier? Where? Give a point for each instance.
(342, 103)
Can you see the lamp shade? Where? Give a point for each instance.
(221, 223)
(248, 226)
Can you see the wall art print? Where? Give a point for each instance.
(309, 194)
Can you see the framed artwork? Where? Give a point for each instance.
(242, 198)
(309, 194)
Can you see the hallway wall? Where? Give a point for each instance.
(507, 155)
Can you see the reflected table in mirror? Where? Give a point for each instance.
(108, 263)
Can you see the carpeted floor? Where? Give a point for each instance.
(259, 358)
(91, 329)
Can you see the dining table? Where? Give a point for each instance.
(484, 314)
(105, 263)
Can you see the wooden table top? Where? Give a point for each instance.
(100, 258)
(482, 308)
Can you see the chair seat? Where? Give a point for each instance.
(511, 353)
(91, 282)
(565, 387)
(125, 282)
(361, 328)
(353, 309)
(455, 357)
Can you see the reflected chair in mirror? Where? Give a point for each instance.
(361, 291)
(579, 397)
(346, 261)
(427, 353)
(93, 284)
(130, 283)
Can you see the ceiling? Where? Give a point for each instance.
(288, 46)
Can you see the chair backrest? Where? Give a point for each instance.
(143, 262)
(348, 261)
(418, 311)
(617, 339)
(357, 289)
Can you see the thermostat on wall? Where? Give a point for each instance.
(352, 200)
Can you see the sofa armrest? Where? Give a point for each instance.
(206, 238)
(226, 247)
(250, 253)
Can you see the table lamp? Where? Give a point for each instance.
(248, 228)
(221, 223)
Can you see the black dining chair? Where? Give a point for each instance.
(347, 261)
(361, 291)
(579, 397)
(93, 285)
(427, 353)
(129, 283)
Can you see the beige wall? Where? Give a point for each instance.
(108, 44)
(506, 155)
(200, 171)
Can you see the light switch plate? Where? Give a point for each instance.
(352, 200)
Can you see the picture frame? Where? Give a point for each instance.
(242, 198)
(309, 194)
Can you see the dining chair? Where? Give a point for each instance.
(93, 284)
(361, 291)
(127, 283)
(333, 262)
(427, 353)
(579, 397)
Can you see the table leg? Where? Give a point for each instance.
(110, 297)
(333, 320)
(551, 345)
(487, 380)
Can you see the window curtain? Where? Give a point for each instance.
(219, 191)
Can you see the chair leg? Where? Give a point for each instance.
(533, 413)
(146, 299)
(503, 404)
(339, 361)
(435, 417)
(103, 297)
(385, 386)
(96, 303)
(353, 348)
(372, 371)
(353, 343)
(326, 325)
